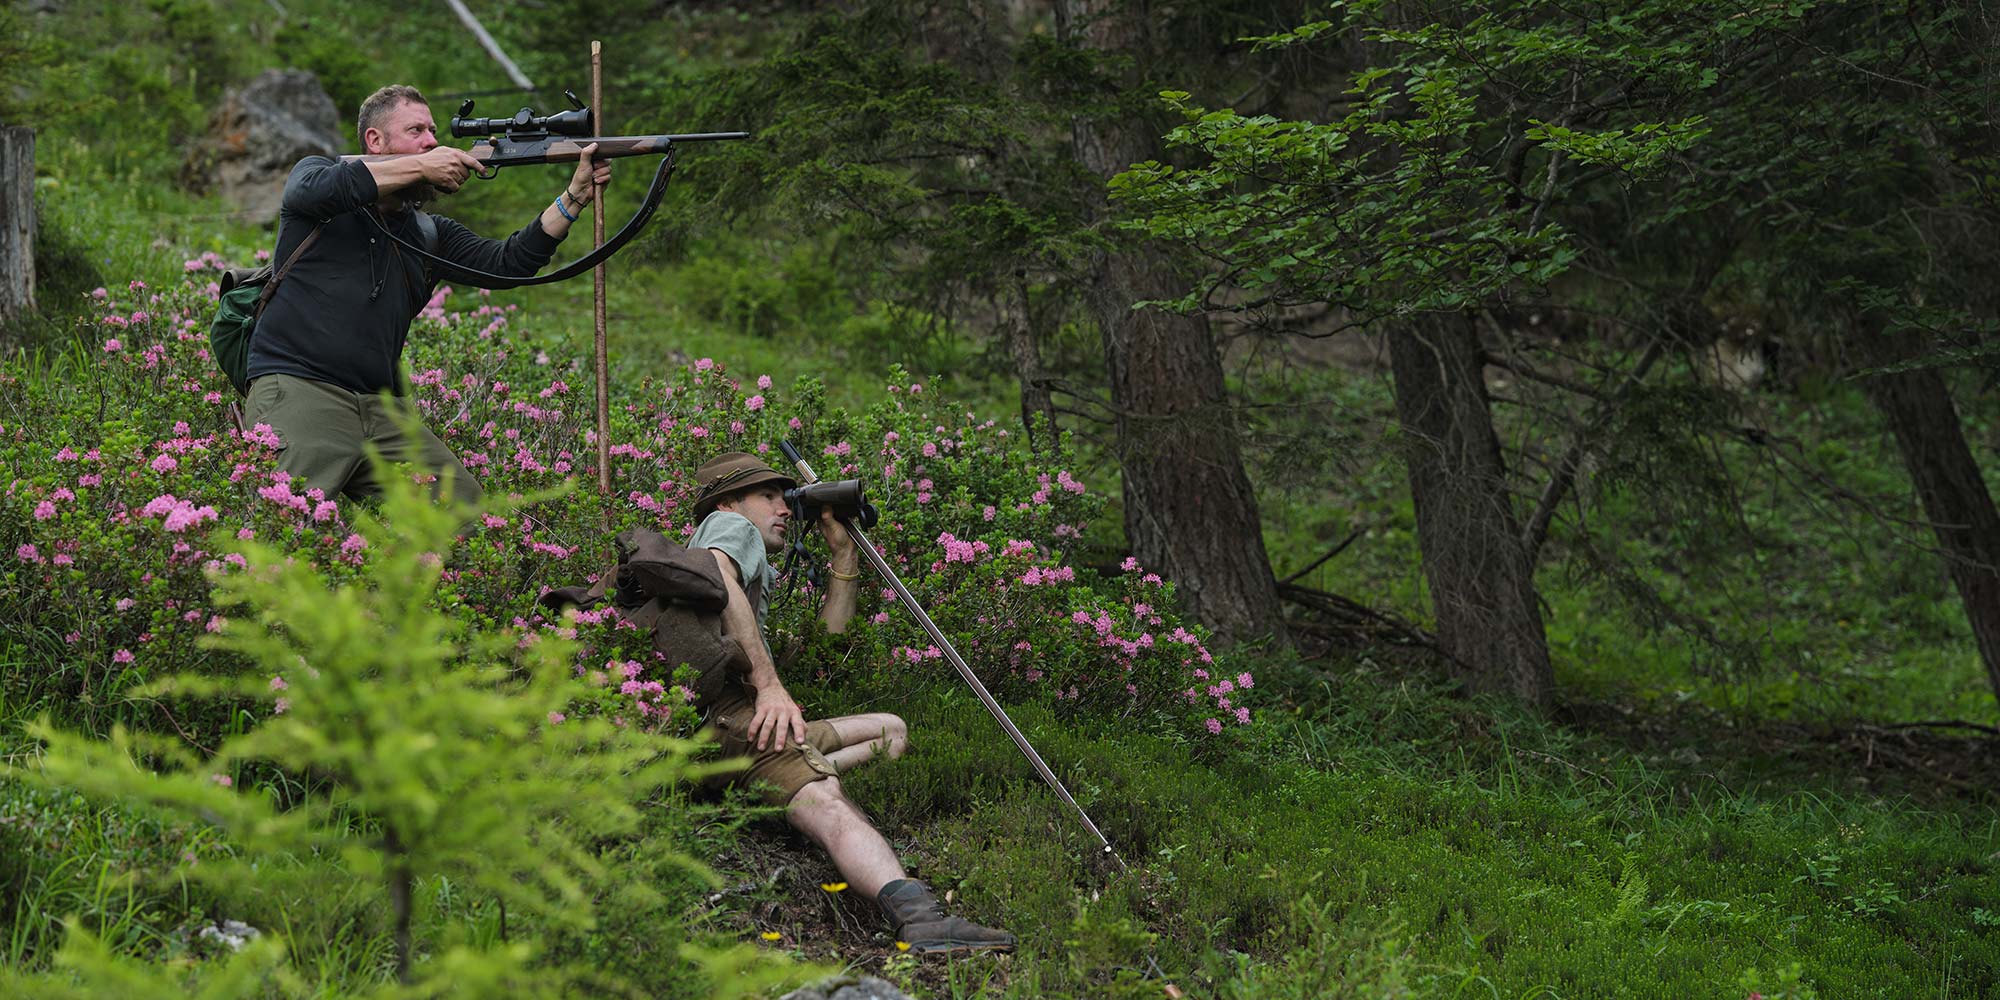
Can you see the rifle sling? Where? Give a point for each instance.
(271, 286)
(487, 279)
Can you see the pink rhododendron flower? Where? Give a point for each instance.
(44, 511)
(123, 656)
(754, 403)
(763, 381)
(27, 553)
(113, 346)
(164, 463)
(1214, 726)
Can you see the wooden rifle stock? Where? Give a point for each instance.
(499, 151)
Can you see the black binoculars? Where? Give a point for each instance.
(844, 498)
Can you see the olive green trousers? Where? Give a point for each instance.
(327, 430)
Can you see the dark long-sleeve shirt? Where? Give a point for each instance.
(343, 312)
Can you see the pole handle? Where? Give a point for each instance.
(806, 473)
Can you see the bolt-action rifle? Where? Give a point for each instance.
(529, 138)
(558, 138)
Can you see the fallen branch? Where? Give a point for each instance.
(1337, 549)
(1944, 724)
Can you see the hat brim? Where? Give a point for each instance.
(705, 505)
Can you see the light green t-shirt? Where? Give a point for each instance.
(738, 538)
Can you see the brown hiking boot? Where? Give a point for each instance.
(921, 922)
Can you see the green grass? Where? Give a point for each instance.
(1533, 859)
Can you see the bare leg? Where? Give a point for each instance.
(863, 736)
(821, 811)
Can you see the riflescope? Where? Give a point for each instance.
(526, 124)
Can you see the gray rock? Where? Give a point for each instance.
(258, 133)
(232, 934)
(849, 988)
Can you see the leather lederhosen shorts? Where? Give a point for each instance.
(777, 771)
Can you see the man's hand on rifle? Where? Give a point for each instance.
(778, 720)
(446, 167)
(589, 176)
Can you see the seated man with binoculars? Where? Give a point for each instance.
(744, 516)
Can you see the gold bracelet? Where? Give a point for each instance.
(838, 575)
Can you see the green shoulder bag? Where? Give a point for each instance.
(245, 292)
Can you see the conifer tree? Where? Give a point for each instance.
(425, 749)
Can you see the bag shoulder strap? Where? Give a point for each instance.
(652, 565)
(271, 286)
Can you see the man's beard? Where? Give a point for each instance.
(420, 194)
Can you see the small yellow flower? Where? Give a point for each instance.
(902, 946)
(772, 935)
(833, 886)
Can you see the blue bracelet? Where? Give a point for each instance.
(561, 210)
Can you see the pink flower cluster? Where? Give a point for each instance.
(961, 551)
(180, 515)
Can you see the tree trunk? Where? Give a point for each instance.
(402, 906)
(1919, 410)
(1189, 508)
(17, 222)
(1038, 406)
(1489, 619)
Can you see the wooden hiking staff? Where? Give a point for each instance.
(597, 279)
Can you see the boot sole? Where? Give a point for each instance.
(958, 947)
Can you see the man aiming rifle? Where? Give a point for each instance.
(330, 339)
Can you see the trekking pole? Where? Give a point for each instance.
(958, 663)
